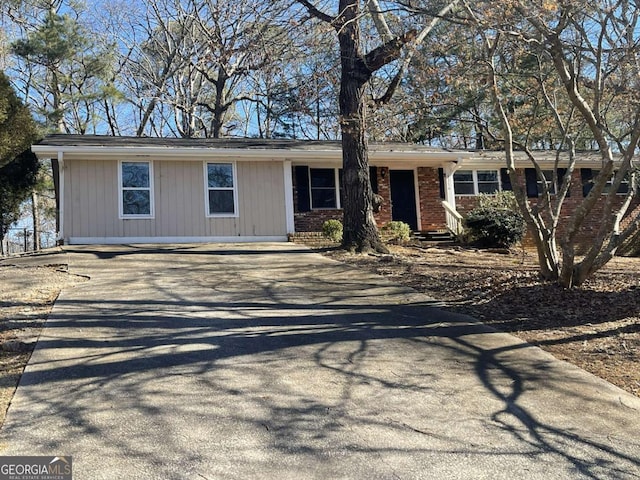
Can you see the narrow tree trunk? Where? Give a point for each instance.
(35, 211)
(219, 108)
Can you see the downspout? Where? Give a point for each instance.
(60, 197)
(288, 197)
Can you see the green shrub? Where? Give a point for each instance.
(397, 231)
(496, 221)
(332, 229)
(504, 199)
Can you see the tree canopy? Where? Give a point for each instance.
(18, 166)
(17, 128)
(558, 76)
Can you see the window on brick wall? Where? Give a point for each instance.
(623, 189)
(488, 181)
(324, 191)
(474, 182)
(326, 187)
(548, 179)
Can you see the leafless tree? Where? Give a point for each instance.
(582, 74)
(195, 60)
(357, 69)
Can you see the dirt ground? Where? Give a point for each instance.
(596, 326)
(26, 297)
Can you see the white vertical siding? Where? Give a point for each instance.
(91, 202)
(91, 198)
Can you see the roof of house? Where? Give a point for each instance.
(241, 148)
(71, 140)
(99, 146)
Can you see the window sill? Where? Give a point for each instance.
(137, 217)
(222, 215)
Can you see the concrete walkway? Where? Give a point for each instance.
(271, 362)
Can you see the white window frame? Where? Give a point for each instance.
(336, 175)
(207, 188)
(476, 190)
(552, 187)
(150, 188)
(607, 188)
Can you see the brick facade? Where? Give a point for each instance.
(432, 213)
(571, 202)
(384, 190)
(312, 220)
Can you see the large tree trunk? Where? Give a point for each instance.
(360, 233)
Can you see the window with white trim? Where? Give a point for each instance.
(548, 179)
(221, 189)
(474, 182)
(136, 189)
(325, 188)
(623, 189)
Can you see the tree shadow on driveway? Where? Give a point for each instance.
(304, 367)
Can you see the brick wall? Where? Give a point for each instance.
(312, 221)
(432, 214)
(591, 224)
(384, 215)
(431, 211)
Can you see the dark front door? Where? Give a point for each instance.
(403, 197)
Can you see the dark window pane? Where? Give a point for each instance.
(221, 201)
(463, 176)
(464, 189)
(488, 187)
(487, 176)
(220, 175)
(463, 182)
(488, 181)
(135, 174)
(136, 202)
(548, 176)
(323, 198)
(323, 177)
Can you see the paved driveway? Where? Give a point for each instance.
(268, 361)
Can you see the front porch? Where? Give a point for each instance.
(423, 197)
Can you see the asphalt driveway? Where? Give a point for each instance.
(269, 361)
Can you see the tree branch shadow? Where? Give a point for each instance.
(317, 369)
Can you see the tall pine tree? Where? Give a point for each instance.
(18, 165)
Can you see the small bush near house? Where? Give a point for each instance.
(399, 231)
(332, 229)
(496, 222)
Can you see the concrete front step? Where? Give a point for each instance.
(435, 236)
